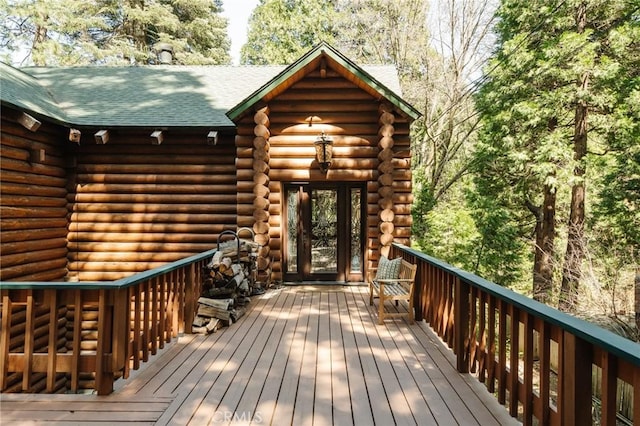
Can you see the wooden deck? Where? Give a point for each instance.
(301, 356)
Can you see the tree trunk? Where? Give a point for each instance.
(572, 270)
(545, 236)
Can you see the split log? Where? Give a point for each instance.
(215, 260)
(225, 266)
(216, 303)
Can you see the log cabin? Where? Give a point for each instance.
(111, 171)
(107, 173)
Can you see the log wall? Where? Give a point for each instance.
(100, 212)
(33, 207)
(135, 206)
(371, 141)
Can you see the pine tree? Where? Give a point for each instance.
(74, 32)
(550, 100)
(280, 31)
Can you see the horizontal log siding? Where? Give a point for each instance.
(135, 206)
(33, 212)
(351, 117)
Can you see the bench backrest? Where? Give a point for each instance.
(407, 272)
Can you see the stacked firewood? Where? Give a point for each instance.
(231, 279)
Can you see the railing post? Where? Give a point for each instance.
(52, 349)
(576, 381)
(418, 303)
(104, 377)
(121, 331)
(461, 324)
(5, 338)
(636, 395)
(189, 298)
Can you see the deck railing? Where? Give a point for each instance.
(536, 360)
(73, 336)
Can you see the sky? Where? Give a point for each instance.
(238, 12)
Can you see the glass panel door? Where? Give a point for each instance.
(323, 235)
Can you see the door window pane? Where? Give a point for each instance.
(354, 229)
(292, 230)
(324, 230)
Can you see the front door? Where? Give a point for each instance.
(323, 232)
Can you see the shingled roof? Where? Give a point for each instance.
(157, 96)
(20, 89)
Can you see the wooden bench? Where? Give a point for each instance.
(394, 289)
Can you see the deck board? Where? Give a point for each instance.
(301, 355)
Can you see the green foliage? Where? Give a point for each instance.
(528, 105)
(501, 243)
(446, 229)
(280, 31)
(74, 32)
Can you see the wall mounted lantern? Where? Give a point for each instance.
(324, 149)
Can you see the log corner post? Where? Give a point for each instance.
(461, 324)
(576, 394)
(385, 176)
(261, 182)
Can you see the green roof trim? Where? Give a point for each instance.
(326, 49)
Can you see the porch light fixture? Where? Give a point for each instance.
(324, 149)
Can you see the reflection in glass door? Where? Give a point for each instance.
(323, 236)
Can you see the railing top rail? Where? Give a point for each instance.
(117, 284)
(613, 343)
